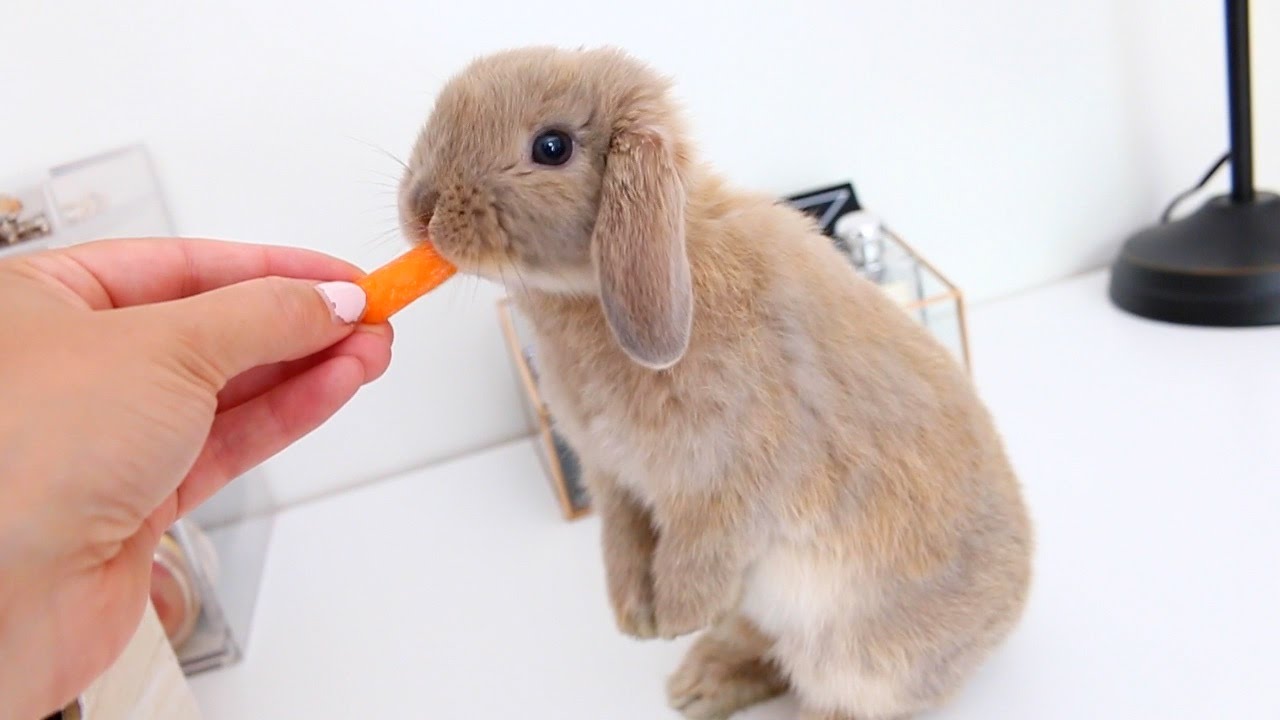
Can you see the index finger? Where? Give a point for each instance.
(140, 271)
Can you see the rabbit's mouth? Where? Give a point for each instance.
(468, 228)
(471, 258)
(495, 257)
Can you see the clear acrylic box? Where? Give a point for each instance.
(207, 572)
(114, 194)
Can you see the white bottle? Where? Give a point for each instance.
(877, 257)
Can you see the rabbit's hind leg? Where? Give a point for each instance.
(726, 670)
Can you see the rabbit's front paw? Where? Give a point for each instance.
(633, 609)
(631, 594)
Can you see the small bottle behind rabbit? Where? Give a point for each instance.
(779, 456)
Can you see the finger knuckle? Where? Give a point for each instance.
(185, 346)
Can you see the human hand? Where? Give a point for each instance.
(137, 377)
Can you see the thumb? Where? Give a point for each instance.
(267, 320)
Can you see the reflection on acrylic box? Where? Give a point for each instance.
(875, 252)
(206, 571)
(114, 194)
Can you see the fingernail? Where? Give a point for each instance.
(345, 299)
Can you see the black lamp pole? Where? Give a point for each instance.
(1220, 265)
(1239, 93)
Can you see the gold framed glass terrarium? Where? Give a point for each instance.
(558, 459)
(876, 253)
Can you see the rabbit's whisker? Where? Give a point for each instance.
(382, 150)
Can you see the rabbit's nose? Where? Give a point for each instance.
(424, 204)
(417, 206)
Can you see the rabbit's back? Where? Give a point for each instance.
(900, 554)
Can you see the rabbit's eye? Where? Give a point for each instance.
(552, 147)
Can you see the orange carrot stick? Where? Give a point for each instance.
(391, 288)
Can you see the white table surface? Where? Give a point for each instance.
(1150, 460)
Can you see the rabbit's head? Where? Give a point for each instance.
(559, 171)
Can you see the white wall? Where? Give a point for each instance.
(1013, 141)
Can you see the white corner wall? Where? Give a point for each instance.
(1015, 142)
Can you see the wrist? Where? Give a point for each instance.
(25, 676)
(26, 561)
(32, 528)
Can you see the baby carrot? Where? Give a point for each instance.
(391, 288)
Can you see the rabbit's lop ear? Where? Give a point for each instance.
(638, 246)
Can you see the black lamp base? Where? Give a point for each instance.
(1219, 266)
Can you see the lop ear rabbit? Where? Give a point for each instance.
(778, 454)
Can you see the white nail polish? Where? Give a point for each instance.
(345, 299)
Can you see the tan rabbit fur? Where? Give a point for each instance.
(778, 454)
